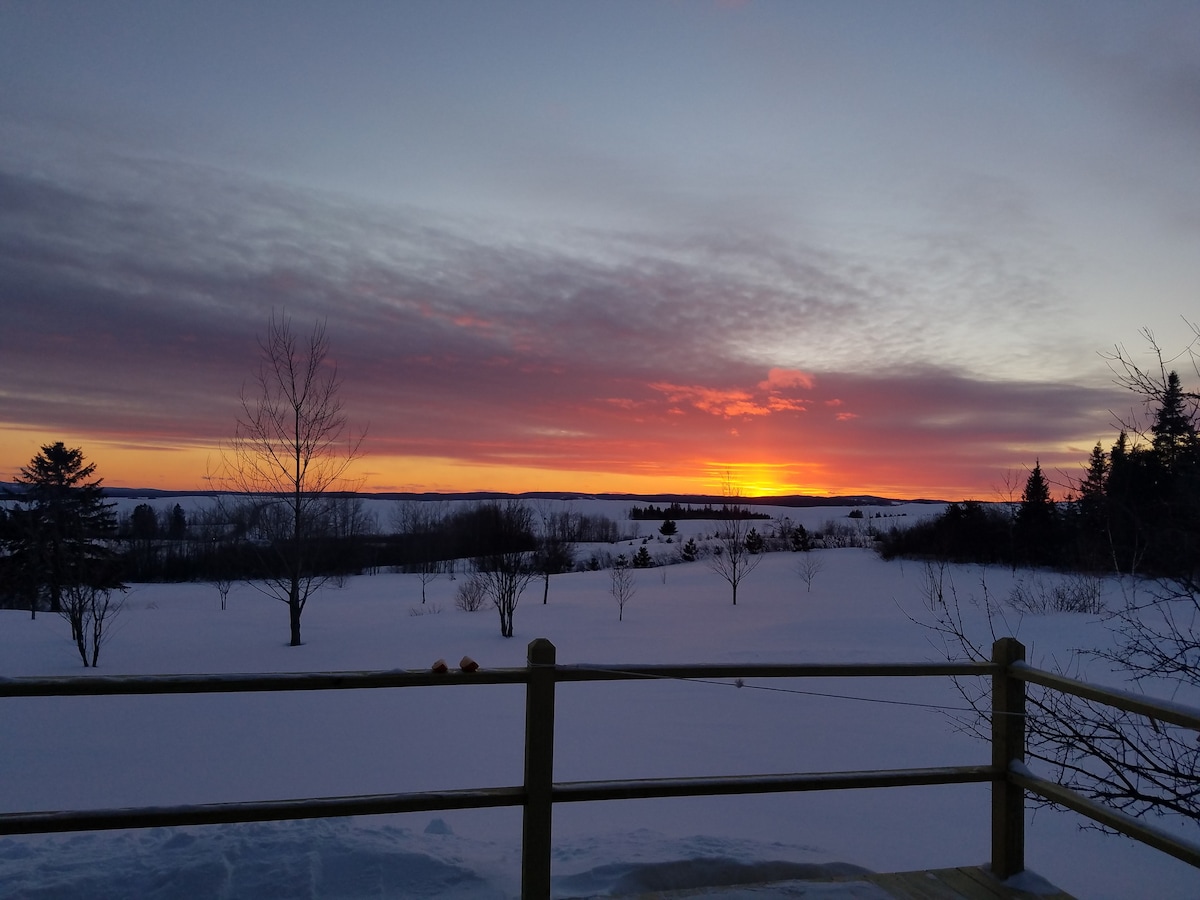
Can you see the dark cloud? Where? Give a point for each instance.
(133, 295)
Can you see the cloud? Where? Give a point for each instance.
(781, 379)
(133, 298)
(718, 402)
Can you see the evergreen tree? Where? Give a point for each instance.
(800, 539)
(1175, 499)
(143, 523)
(1092, 510)
(177, 527)
(642, 559)
(64, 524)
(1036, 525)
(755, 543)
(1174, 434)
(689, 551)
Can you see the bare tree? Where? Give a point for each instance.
(623, 584)
(216, 530)
(809, 567)
(1127, 761)
(505, 566)
(1124, 760)
(291, 447)
(89, 609)
(557, 536)
(731, 558)
(420, 522)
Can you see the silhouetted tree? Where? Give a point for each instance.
(59, 529)
(1036, 526)
(291, 447)
(178, 525)
(731, 558)
(421, 522)
(143, 523)
(558, 534)
(505, 563)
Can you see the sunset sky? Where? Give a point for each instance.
(855, 247)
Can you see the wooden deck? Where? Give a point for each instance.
(967, 883)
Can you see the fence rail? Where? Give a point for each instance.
(539, 792)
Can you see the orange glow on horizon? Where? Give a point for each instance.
(167, 466)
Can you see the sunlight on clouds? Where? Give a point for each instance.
(727, 403)
(779, 379)
(736, 402)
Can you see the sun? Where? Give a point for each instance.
(758, 479)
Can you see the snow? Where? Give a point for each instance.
(91, 752)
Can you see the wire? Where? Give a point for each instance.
(739, 683)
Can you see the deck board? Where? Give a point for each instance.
(964, 883)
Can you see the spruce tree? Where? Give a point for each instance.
(1093, 520)
(1174, 434)
(65, 524)
(1037, 520)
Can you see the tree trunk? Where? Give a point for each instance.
(294, 612)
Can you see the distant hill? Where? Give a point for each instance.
(787, 500)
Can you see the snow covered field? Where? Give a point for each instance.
(133, 751)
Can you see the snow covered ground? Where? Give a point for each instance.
(132, 751)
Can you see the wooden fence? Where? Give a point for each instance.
(1009, 777)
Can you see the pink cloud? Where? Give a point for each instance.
(781, 379)
(718, 402)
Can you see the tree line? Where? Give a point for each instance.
(676, 511)
(1132, 515)
(1134, 509)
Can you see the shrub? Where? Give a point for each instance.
(1076, 594)
(471, 595)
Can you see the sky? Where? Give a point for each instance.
(642, 247)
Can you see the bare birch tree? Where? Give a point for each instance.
(623, 584)
(809, 567)
(292, 445)
(731, 557)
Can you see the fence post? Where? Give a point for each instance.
(539, 771)
(1008, 746)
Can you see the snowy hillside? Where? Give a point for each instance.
(132, 751)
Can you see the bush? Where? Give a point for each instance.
(471, 595)
(431, 610)
(596, 561)
(1076, 594)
